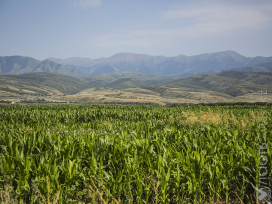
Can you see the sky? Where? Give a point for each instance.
(102, 28)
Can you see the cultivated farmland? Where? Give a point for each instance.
(133, 154)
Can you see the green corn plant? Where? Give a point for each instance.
(134, 154)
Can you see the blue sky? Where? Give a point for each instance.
(101, 28)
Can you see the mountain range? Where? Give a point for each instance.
(179, 66)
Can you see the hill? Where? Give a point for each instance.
(21, 65)
(225, 86)
(225, 83)
(263, 67)
(145, 78)
(41, 84)
(125, 83)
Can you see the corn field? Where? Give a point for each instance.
(133, 154)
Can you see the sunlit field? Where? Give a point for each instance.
(134, 154)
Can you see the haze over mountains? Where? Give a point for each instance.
(179, 66)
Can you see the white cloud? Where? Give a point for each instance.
(86, 3)
(194, 20)
(193, 26)
(216, 16)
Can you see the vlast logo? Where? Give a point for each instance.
(263, 193)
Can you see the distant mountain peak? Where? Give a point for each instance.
(129, 55)
(231, 52)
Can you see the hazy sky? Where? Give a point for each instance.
(101, 28)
